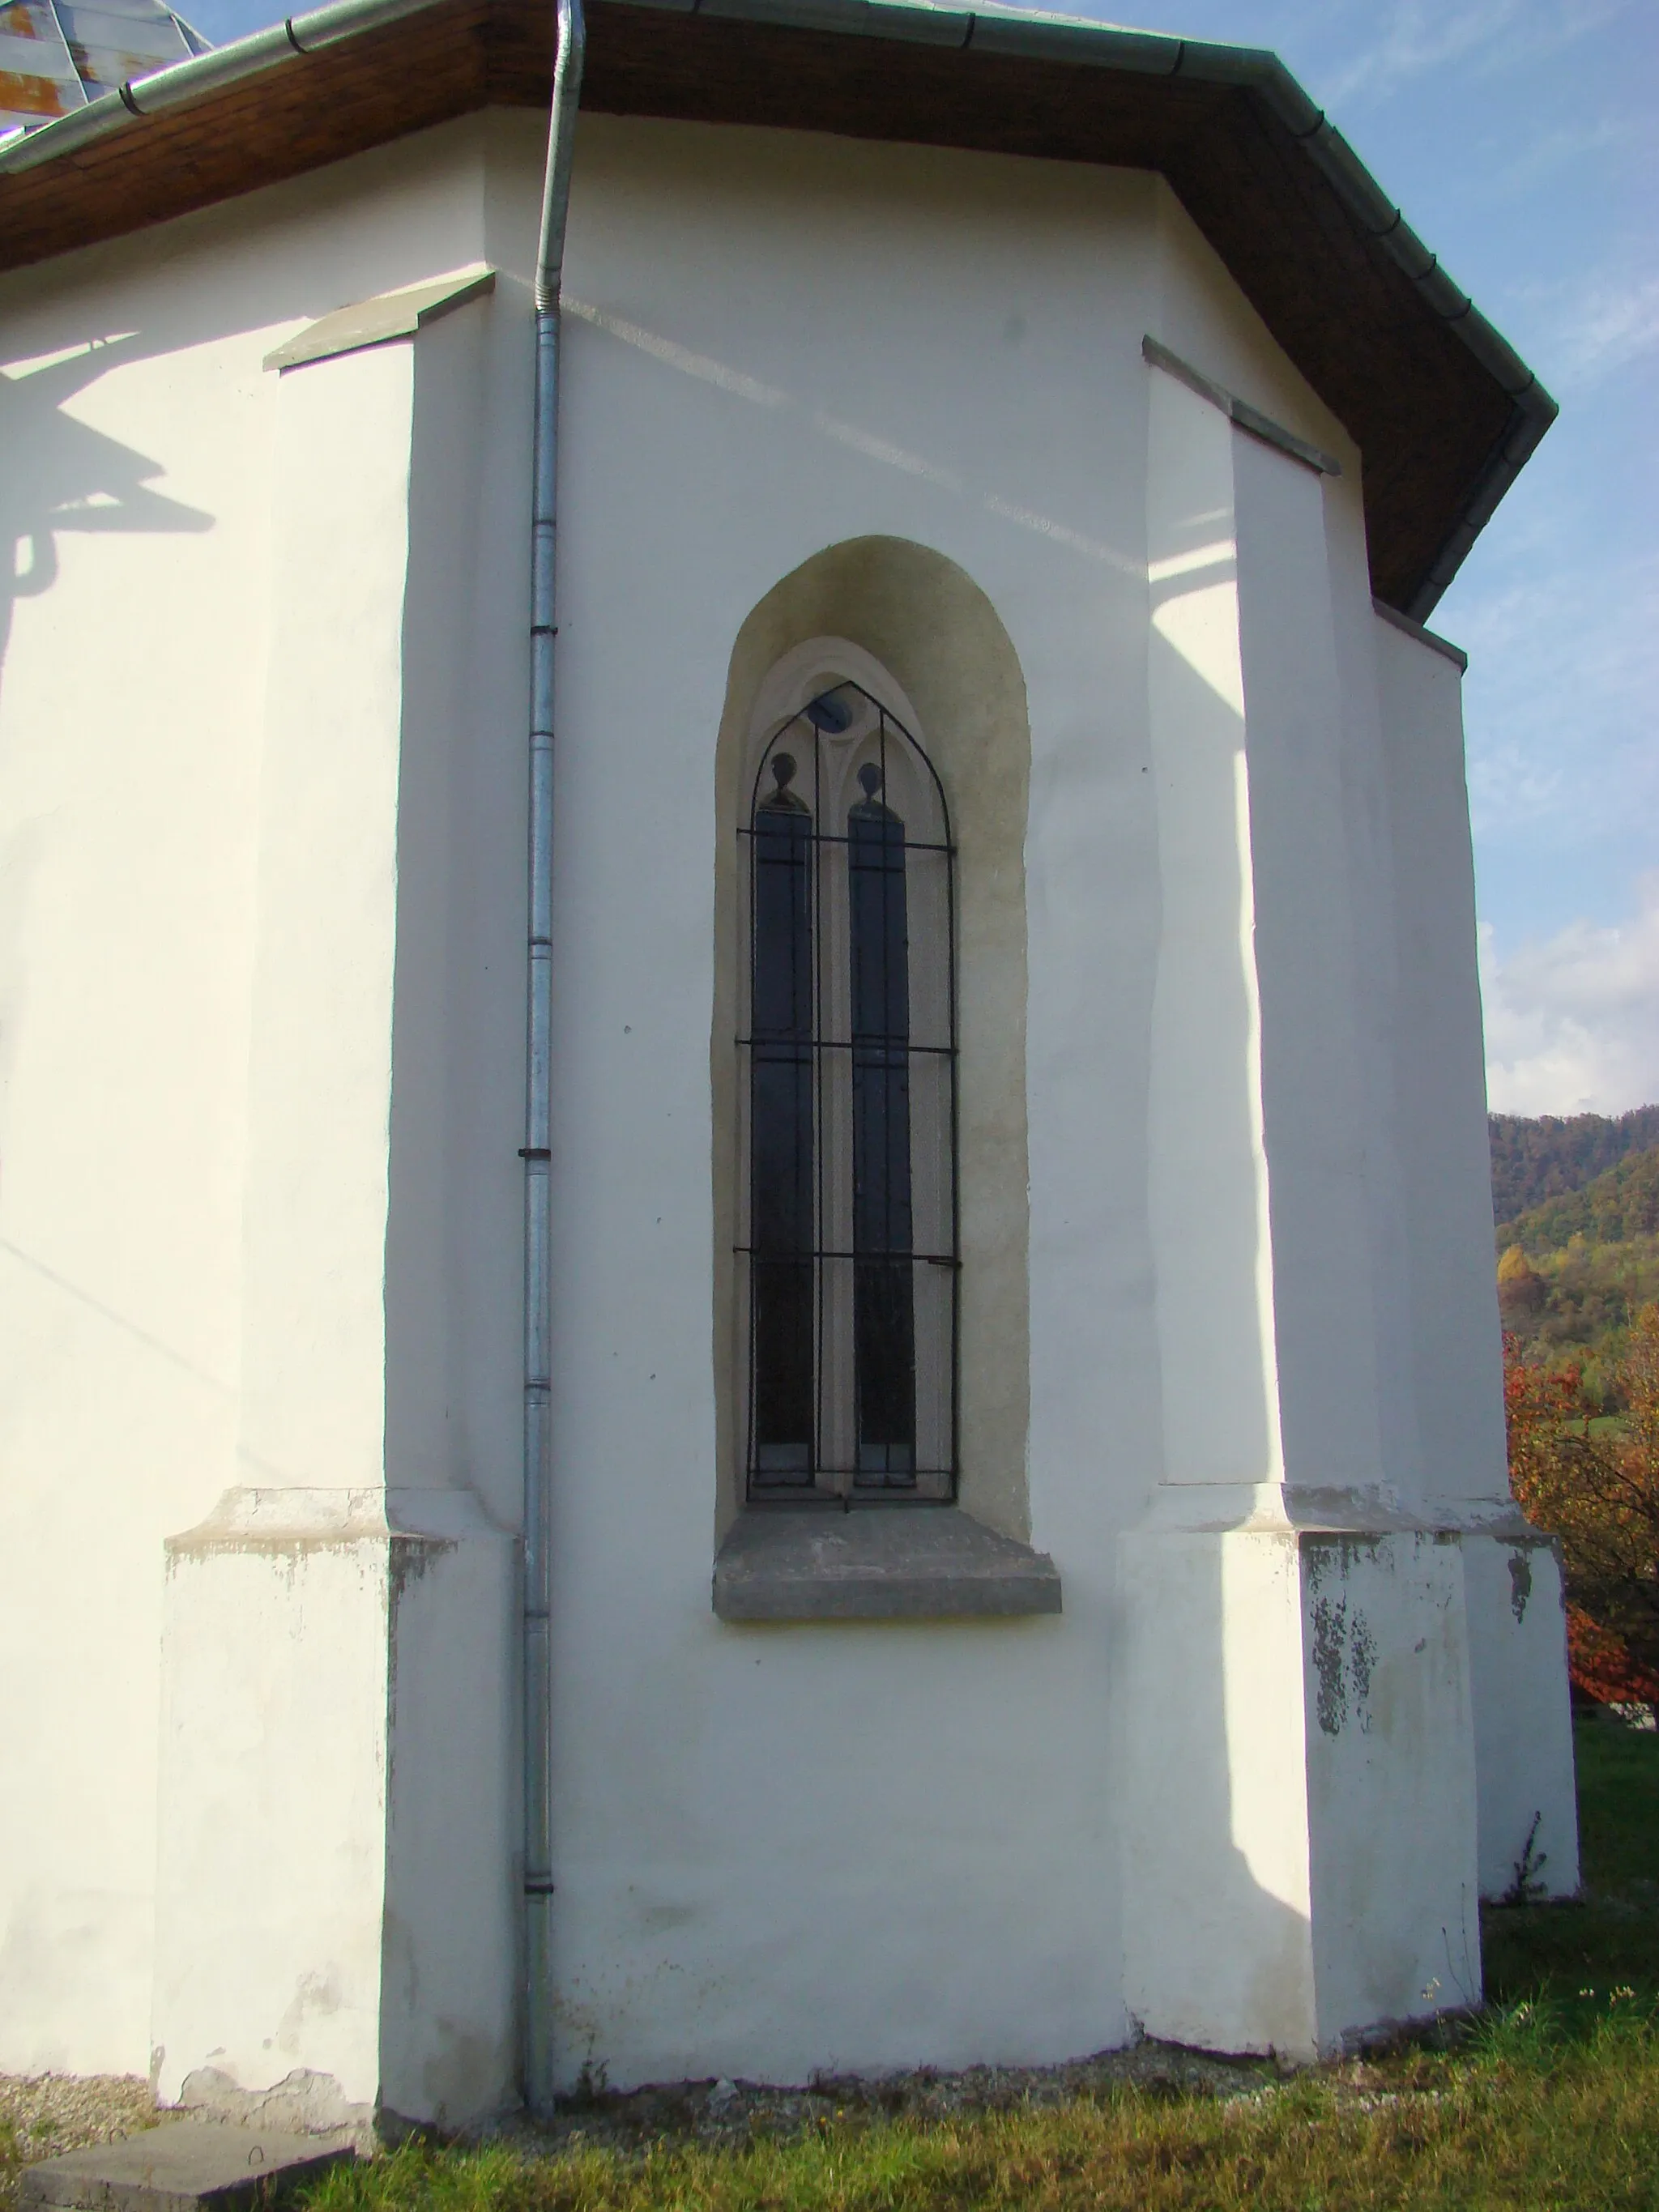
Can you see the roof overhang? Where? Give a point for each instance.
(1443, 410)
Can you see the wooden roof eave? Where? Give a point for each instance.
(1443, 411)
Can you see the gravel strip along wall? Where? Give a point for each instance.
(41, 2114)
(44, 2113)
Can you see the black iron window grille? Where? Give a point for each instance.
(849, 1245)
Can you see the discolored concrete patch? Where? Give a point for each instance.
(190, 2166)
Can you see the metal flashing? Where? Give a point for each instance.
(1404, 623)
(850, 16)
(1248, 419)
(1064, 39)
(378, 321)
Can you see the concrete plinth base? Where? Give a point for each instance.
(1522, 1712)
(1299, 1821)
(334, 1921)
(187, 2167)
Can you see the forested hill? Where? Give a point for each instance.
(1535, 1160)
(1579, 1261)
(1622, 1204)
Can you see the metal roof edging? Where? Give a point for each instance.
(1251, 420)
(1432, 639)
(183, 82)
(1011, 32)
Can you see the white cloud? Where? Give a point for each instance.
(1418, 35)
(1565, 148)
(1608, 322)
(1572, 1023)
(1415, 36)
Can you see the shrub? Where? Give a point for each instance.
(1600, 1495)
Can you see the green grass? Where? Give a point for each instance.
(1573, 1956)
(1530, 2120)
(1619, 1808)
(1550, 2099)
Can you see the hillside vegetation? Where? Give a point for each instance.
(1576, 1304)
(1537, 1158)
(1578, 1289)
(1619, 1206)
(1575, 1268)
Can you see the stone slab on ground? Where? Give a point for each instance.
(190, 2166)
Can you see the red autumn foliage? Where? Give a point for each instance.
(1602, 1668)
(1600, 1495)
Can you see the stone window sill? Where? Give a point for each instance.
(896, 1563)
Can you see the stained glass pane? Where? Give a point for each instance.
(883, 1292)
(780, 1135)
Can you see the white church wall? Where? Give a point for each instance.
(1455, 1349)
(1299, 1803)
(1258, 1054)
(148, 1156)
(751, 376)
(1207, 1194)
(273, 1733)
(1211, 1734)
(1388, 1046)
(773, 344)
(1524, 1772)
(454, 1257)
(772, 405)
(137, 483)
(1206, 320)
(1391, 1780)
(453, 1261)
(270, 1849)
(1522, 1718)
(327, 920)
(1327, 1827)
(1306, 963)
(344, 1551)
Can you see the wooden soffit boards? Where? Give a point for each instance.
(1428, 418)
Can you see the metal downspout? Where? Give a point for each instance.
(571, 41)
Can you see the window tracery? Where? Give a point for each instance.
(848, 1236)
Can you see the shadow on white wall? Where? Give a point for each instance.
(61, 475)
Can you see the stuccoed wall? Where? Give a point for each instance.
(1517, 1629)
(757, 369)
(777, 346)
(777, 1848)
(265, 1022)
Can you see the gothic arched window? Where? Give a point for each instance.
(849, 1236)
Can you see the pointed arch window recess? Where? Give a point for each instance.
(849, 1245)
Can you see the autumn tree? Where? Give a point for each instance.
(1521, 1288)
(1600, 1495)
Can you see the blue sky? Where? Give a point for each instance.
(1522, 138)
